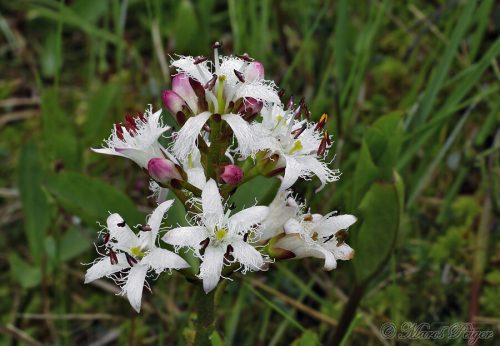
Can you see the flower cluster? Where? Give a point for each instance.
(233, 127)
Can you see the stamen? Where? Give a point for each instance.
(327, 137)
(199, 59)
(290, 102)
(112, 257)
(298, 111)
(328, 238)
(204, 243)
(145, 228)
(240, 76)
(299, 131)
(281, 93)
(322, 121)
(341, 236)
(322, 147)
(121, 224)
(216, 47)
(307, 113)
(106, 238)
(245, 57)
(308, 217)
(245, 237)
(131, 260)
(211, 83)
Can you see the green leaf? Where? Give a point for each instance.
(375, 237)
(215, 339)
(36, 208)
(72, 243)
(185, 28)
(309, 338)
(58, 131)
(27, 275)
(255, 190)
(91, 198)
(100, 104)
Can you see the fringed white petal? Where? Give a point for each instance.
(160, 260)
(119, 230)
(330, 225)
(247, 255)
(157, 216)
(245, 219)
(190, 236)
(293, 171)
(343, 252)
(293, 226)
(211, 267)
(188, 134)
(196, 177)
(280, 211)
(133, 287)
(103, 267)
(200, 72)
(320, 169)
(243, 132)
(211, 203)
(265, 91)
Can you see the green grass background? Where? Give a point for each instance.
(69, 69)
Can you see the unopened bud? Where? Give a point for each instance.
(232, 174)
(172, 101)
(254, 71)
(163, 170)
(251, 106)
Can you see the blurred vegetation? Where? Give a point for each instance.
(412, 90)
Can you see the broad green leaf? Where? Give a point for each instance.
(72, 243)
(100, 104)
(36, 208)
(26, 274)
(375, 236)
(253, 191)
(58, 132)
(91, 198)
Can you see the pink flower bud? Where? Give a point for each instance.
(251, 106)
(232, 174)
(172, 101)
(254, 71)
(181, 85)
(163, 170)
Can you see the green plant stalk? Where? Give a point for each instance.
(205, 320)
(214, 154)
(349, 312)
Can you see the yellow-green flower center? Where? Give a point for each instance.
(297, 146)
(220, 233)
(137, 252)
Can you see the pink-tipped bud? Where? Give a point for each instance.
(232, 174)
(254, 71)
(172, 101)
(251, 106)
(163, 170)
(183, 88)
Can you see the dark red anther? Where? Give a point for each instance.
(119, 131)
(323, 144)
(145, 228)
(211, 83)
(245, 237)
(322, 121)
(197, 88)
(290, 102)
(112, 257)
(281, 93)
(142, 117)
(302, 101)
(297, 112)
(240, 76)
(306, 111)
(199, 59)
(106, 238)
(217, 45)
(121, 224)
(204, 243)
(245, 57)
(229, 250)
(131, 260)
(297, 132)
(327, 137)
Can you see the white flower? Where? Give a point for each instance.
(137, 139)
(233, 88)
(221, 235)
(137, 252)
(299, 146)
(281, 209)
(318, 236)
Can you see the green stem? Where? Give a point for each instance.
(214, 154)
(205, 320)
(348, 313)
